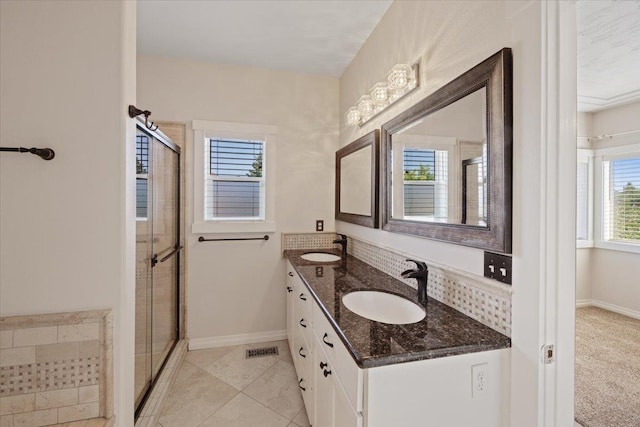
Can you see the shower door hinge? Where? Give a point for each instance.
(548, 354)
(154, 260)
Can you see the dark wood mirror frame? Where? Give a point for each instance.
(495, 73)
(372, 139)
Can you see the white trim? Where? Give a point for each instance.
(618, 246)
(202, 130)
(584, 244)
(584, 303)
(608, 306)
(558, 211)
(227, 340)
(595, 103)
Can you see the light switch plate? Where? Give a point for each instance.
(498, 267)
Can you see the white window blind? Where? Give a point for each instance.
(234, 179)
(621, 204)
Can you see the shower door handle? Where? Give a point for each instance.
(175, 250)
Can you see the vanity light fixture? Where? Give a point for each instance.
(401, 80)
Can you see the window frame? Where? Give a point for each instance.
(602, 155)
(587, 156)
(203, 131)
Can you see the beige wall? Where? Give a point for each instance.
(448, 38)
(236, 287)
(584, 266)
(67, 225)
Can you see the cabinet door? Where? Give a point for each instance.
(323, 389)
(289, 289)
(343, 413)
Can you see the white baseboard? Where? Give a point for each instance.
(227, 340)
(608, 306)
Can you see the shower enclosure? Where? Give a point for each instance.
(157, 256)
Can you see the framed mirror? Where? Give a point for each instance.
(357, 177)
(446, 162)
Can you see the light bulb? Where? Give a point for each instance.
(353, 116)
(365, 105)
(399, 76)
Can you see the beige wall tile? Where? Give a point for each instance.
(80, 332)
(6, 339)
(89, 348)
(78, 412)
(35, 336)
(54, 352)
(17, 356)
(36, 418)
(16, 404)
(56, 398)
(6, 421)
(89, 394)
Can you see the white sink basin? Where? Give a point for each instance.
(320, 257)
(383, 307)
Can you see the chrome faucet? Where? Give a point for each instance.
(421, 274)
(342, 242)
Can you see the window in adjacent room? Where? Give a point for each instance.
(584, 198)
(621, 200)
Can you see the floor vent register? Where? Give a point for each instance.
(261, 352)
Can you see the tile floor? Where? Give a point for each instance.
(218, 387)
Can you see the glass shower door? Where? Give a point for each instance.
(157, 256)
(164, 320)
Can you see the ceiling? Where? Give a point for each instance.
(323, 36)
(317, 37)
(608, 53)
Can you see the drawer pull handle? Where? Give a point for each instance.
(290, 274)
(326, 373)
(323, 365)
(289, 289)
(324, 340)
(302, 297)
(302, 324)
(300, 352)
(300, 384)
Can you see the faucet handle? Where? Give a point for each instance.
(420, 264)
(343, 236)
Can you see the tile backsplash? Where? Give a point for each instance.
(55, 368)
(484, 300)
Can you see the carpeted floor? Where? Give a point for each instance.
(607, 369)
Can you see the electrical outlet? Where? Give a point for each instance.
(319, 225)
(498, 267)
(479, 379)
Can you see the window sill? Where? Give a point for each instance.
(584, 244)
(619, 246)
(233, 227)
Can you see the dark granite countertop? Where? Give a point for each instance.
(443, 332)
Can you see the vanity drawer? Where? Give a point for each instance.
(347, 372)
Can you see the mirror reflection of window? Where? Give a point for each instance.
(425, 184)
(429, 154)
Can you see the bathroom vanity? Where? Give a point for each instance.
(445, 370)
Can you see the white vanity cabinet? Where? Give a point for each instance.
(299, 334)
(436, 392)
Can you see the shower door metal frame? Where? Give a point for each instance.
(162, 138)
